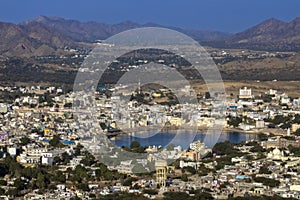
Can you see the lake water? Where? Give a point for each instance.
(182, 138)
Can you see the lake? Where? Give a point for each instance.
(180, 138)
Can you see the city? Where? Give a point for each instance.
(40, 142)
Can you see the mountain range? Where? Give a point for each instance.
(271, 34)
(51, 35)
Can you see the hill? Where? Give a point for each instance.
(270, 35)
(31, 40)
(52, 35)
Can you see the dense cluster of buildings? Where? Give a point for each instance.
(41, 113)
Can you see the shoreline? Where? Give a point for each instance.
(199, 129)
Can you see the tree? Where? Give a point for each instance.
(56, 160)
(59, 177)
(13, 166)
(262, 137)
(207, 95)
(78, 149)
(3, 182)
(2, 191)
(190, 169)
(224, 148)
(150, 192)
(55, 141)
(88, 160)
(12, 192)
(175, 196)
(234, 121)
(79, 174)
(296, 119)
(19, 184)
(264, 170)
(41, 182)
(135, 145)
(3, 170)
(267, 181)
(128, 181)
(297, 133)
(184, 178)
(267, 98)
(83, 186)
(294, 150)
(257, 148)
(65, 158)
(278, 119)
(199, 195)
(24, 141)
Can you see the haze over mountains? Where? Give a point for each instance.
(51, 35)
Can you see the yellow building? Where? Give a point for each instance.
(190, 155)
(161, 172)
(175, 121)
(295, 127)
(47, 132)
(205, 122)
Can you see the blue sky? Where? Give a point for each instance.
(223, 15)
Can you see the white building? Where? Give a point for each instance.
(197, 146)
(245, 93)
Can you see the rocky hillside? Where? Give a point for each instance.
(271, 35)
(31, 40)
(52, 35)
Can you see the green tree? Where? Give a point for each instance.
(262, 137)
(264, 170)
(3, 170)
(55, 141)
(65, 158)
(12, 192)
(83, 186)
(224, 148)
(150, 192)
(207, 95)
(19, 184)
(128, 181)
(234, 121)
(2, 191)
(3, 182)
(135, 145)
(88, 160)
(24, 141)
(78, 149)
(297, 133)
(184, 177)
(175, 196)
(41, 181)
(191, 170)
(56, 160)
(267, 181)
(59, 177)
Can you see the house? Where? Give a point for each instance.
(175, 121)
(245, 93)
(295, 127)
(259, 124)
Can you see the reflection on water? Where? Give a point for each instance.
(183, 139)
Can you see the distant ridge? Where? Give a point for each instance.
(91, 31)
(33, 39)
(271, 35)
(51, 35)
